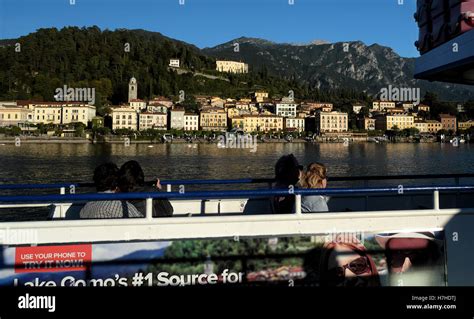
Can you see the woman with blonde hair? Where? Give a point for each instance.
(314, 177)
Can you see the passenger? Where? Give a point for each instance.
(132, 179)
(287, 175)
(413, 259)
(106, 181)
(315, 177)
(345, 262)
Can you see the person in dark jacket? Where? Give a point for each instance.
(132, 179)
(287, 174)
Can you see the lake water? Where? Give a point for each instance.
(51, 163)
(47, 163)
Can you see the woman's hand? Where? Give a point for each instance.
(158, 184)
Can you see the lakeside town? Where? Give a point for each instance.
(164, 119)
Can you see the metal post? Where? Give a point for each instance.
(436, 200)
(62, 191)
(149, 208)
(298, 204)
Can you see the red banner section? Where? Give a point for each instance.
(53, 258)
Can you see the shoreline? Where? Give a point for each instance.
(30, 140)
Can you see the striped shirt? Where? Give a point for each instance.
(109, 209)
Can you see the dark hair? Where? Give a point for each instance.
(130, 176)
(105, 177)
(287, 170)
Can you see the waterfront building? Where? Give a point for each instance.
(326, 122)
(434, 126)
(232, 67)
(294, 124)
(176, 117)
(465, 125)
(258, 123)
(124, 118)
(449, 122)
(422, 126)
(390, 121)
(150, 120)
(213, 119)
(73, 113)
(47, 114)
(13, 115)
(191, 122)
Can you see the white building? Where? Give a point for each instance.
(177, 119)
(232, 67)
(124, 118)
(286, 108)
(156, 121)
(72, 113)
(174, 63)
(295, 123)
(191, 122)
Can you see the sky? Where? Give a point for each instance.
(206, 23)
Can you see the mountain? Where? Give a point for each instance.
(105, 60)
(324, 65)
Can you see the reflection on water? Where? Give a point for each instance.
(49, 163)
(45, 163)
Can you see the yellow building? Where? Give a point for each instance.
(260, 96)
(12, 115)
(232, 67)
(389, 122)
(258, 123)
(124, 118)
(213, 119)
(149, 120)
(366, 123)
(331, 122)
(434, 126)
(50, 114)
(422, 126)
(465, 125)
(423, 107)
